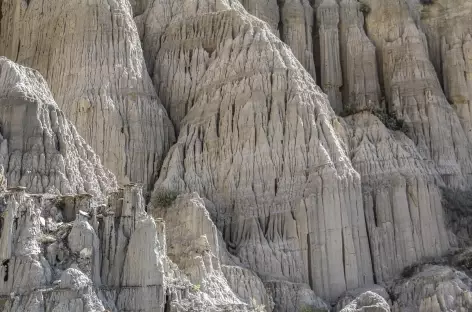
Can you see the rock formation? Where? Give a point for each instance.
(361, 88)
(357, 298)
(414, 92)
(194, 246)
(90, 55)
(434, 288)
(269, 192)
(39, 148)
(368, 301)
(331, 73)
(402, 201)
(289, 202)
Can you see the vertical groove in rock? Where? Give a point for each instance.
(297, 18)
(274, 124)
(402, 202)
(91, 57)
(331, 72)
(293, 22)
(448, 27)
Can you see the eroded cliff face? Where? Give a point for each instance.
(284, 205)
(39, 148)
(90, 55)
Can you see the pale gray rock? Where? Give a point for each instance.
(39, 148)
(292, 21)
(413, 90)
(434, 289)
(357, 298)
(297, 19)
(295, 297)
(83, 265)
(267, 10)
(449, 31)
(249, 287)
(368, 301)
(402, 200)
(257, 140)
(193, 248)
(90, 55)
(361, 88)
(327, 16)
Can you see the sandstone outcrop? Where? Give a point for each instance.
(89, 53)
(39, 148)
(331, 73)
(448, 28)
(361, 88)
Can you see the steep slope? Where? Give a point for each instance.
(39, 148)
(414, 92)
(257, 141)
(402, 200)
(448, 28)
(283, 205)
(90, 55)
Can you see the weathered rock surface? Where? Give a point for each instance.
(295, 297)
(257, 140)
(361, 88)
(368, 301)
(434, 288)
(298, 207)
(331, 72)
(402, 201)
(193, 246)
(39, 148)
(413, 90)
(448, 28)
(358, 298)
(89, 53)
(105, 259)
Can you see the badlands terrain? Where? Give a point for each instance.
(235, 155)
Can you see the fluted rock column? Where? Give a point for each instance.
(331, 72)
(402, 202)
(297, 18)
(448, 27)
(266, 10)
(414, 92)
(361, 87)
(257, 140)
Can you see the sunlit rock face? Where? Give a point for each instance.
(300, 155)
(90, 55)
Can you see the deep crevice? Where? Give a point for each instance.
(5, 264)
(280, 4)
